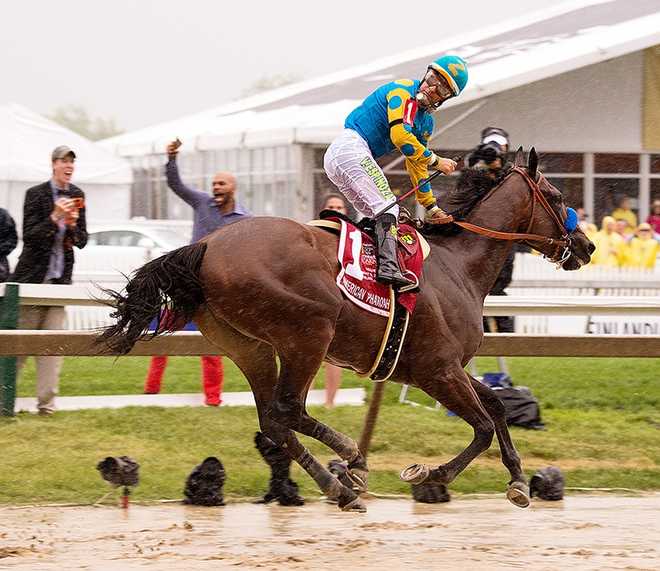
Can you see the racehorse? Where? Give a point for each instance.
(264, 290)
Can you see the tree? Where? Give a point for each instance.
(269, 82)
(76, 118)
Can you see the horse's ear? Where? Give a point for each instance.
(533, 163)
(519, 159)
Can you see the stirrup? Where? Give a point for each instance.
(412, 286)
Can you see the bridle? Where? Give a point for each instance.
(561, 248)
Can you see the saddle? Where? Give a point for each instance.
(359, 239)
(357, 280)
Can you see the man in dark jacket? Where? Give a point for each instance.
(8, 240)
(53, 223)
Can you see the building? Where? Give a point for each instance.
(28, 139)
(580, 81)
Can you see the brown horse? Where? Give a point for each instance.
(264, 289)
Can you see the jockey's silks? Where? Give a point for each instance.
(390, 118)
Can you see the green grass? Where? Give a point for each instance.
(602, 417)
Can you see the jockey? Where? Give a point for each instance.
(396, 115)
(490, 154)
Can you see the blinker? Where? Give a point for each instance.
(571, 221)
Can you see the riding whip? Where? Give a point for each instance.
(413, 189)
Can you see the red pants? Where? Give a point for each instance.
(212, 377)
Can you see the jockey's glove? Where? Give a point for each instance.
(447, 166)
(437, 215)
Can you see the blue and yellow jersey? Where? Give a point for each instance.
(389, 118)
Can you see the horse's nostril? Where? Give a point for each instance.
(591, 248)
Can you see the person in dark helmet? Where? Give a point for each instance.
(490, 157)
(490, 154)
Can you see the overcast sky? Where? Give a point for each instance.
(146, 61)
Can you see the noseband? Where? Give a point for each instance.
(561, 248)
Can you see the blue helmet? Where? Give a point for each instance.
(454, 70)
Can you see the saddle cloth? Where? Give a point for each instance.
(357, 275)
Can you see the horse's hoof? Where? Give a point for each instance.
(415, 473)
(359, 479)
(356, 505)
(518, 494)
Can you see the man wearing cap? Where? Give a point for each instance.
(490, 154)
(53, 223)
(489, 157)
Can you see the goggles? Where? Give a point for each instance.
(438, 85)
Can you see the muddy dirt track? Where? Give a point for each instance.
(581, 532)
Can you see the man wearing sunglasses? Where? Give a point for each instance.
(396, 115)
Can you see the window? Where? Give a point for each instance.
(561, 163)
(616, 163)
(572, 190)
(115, 238)
(609, 192)
(655, 164)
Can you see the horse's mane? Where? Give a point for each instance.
(472, 186)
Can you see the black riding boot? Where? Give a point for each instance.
(388, 271)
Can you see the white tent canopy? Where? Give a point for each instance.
(27, 142)
(557, 40)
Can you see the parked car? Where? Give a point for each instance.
(121, 247)
(116, 248)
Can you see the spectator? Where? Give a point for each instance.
(654, 218)
(624, 212)
(490, 157)
(502, 323)
(53, 222)
(643, 249)
(609, 245)
(8, 240)
(622, 229)
(490, 154)
(333, 201)
(209, 214)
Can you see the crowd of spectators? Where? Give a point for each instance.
(622, 242)
(54, 223)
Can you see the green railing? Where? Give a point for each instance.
(8, 320)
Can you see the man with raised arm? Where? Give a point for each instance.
(210, 212)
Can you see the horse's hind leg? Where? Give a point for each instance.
(518, 491)
(343, 445)
(298, 365)
(257, 361)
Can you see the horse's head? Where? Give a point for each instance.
(549, 219)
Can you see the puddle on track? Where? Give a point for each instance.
(586, 532)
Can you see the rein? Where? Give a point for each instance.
(561, 246)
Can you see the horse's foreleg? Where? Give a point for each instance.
(518, 491)
(343, 445)
(454, 390)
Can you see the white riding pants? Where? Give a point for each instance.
(350, 166)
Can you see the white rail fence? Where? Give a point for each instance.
(532, 277)
(80, 340)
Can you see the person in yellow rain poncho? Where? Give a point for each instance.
(642, 250)
(610, 246)
(625, 212)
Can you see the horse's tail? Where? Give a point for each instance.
(170, 282)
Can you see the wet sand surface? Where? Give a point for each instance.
(582, 532)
